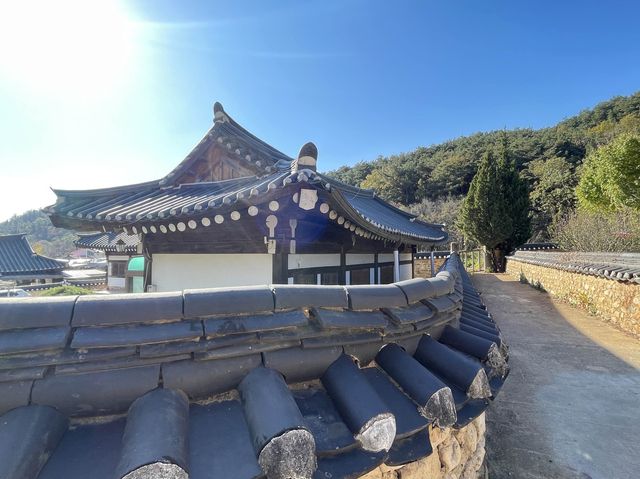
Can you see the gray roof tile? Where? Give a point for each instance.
(95, 310)
(218, 301)
(375, 296)
(138, 334)
(37, 339)
(21, 313)
(96, 393)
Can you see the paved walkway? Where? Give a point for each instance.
(571, 406)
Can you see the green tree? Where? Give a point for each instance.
(395, 178)
(495, 212)
(610, 178)
(552, 193)
(484, 215)
(516, 195)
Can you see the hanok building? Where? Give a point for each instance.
(121, 250)
(236, 211)
(21, 265)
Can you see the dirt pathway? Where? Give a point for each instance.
(571, 406)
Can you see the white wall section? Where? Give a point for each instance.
(385, 258)
(405, 272)
(175, 272)
(353, 258)
(119, 283)
(298, 261)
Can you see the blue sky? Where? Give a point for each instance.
(97, 94)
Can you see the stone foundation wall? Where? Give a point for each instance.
(422, 267)
(457, 454)
(614, 301)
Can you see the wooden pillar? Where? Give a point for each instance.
(433, 263)
(376, 273)
(280, 273)
(396, 265)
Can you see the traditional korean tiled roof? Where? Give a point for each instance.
(17, 259)
(197, 205)
(167, 206)
(615, 266)
(282, 380)
(108, 241)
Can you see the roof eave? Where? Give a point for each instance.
(394, 237)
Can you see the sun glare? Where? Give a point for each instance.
(62, 46)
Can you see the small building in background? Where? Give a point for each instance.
(21, 265)
(236, 211)
(119, 248)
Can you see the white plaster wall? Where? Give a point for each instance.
(116, 282)
(385, 258)
(405, 271)
(298, 261)
(359, 258)
(405, 257)
(175, 272)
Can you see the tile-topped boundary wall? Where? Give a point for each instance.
(285, 380)
(604, 284)
(422, 263)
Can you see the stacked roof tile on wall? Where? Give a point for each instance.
(281, 380)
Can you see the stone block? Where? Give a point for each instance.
(438, 435)
(426, 468)
(450, 453)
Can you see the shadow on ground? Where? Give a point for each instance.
(571, 406)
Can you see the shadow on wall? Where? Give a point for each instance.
(569, 409)
(535, 284)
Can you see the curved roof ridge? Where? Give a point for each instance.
(224, 123)
(247, 132)
(345, 186)
(100, 191)
(11, 235)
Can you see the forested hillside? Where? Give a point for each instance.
(433, 180)
(42, 235)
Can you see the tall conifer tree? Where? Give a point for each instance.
(495, 212)
(516, 197)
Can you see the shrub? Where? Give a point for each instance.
(585, 230)
(66, 290)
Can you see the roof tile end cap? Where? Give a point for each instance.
(155, 437)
